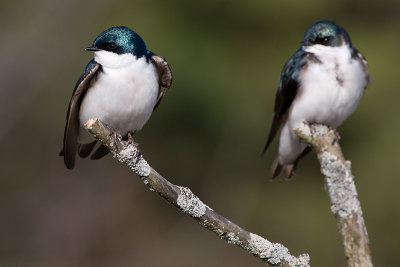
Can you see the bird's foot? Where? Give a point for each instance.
(336, 135)
(116, 136)
(132, 142)
(311, 126)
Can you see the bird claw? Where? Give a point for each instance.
(311, 126)
(136, 145)
(116, 136)
(118, 140)
(131, 141)
(336, 136)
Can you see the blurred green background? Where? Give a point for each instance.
(207, 134)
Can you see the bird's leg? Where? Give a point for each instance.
(116, 136)
(132, 142)
(336, 134)
(311, 126)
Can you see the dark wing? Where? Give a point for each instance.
(287, 91)
(164, 75)
(72, 125)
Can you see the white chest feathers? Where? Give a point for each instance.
(330, 89)
(122, 95)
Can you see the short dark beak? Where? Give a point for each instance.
(92, 48)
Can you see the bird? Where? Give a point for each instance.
(321, 83)
(121, 86)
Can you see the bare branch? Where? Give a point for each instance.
(342, 192)
(274, 254)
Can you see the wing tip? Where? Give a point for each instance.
(276, 168)
(266, 147)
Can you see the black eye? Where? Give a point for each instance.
(322, 40)
(111, 46)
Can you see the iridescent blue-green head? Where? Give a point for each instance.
(326, 33)
(119, 40)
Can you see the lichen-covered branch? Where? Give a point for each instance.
(274, 254)
(342, 192)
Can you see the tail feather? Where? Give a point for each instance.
(100, 152)
(84, 150)
(289, 170)
(276, 168)
(286, 169)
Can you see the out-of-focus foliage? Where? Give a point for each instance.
(208, 133)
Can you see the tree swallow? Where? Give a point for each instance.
(321, 83)
(121, 86)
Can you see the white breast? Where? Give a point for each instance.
(122, 96)
(330, 91)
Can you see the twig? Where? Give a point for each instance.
(274, 254)
(342, 192)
